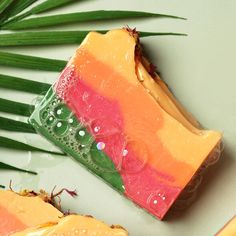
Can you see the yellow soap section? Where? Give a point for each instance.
(29, 210)
(185, 143)
(75, 225)
(229, 229)
(166, 90)
(122, 50)
(100, 45)
(162, 98)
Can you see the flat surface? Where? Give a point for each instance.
(199, 68)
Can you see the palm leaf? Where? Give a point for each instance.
(16, 126)
(4, 4)
(147, 34)
(42, 38)
(13, 144)
(21, 84)
(43, 7)
(49, 5)
(16, 7)
(2, 186)
(30, 62)
(16, 108)
(4, 166)
(81, 17)
(56, 37)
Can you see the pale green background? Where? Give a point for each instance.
(199, 68)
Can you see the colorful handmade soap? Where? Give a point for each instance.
(113, 114)
(75, 225)
(18, 212)
(229, 229)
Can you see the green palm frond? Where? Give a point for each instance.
(16, 145)
(18, 6)
(4, 4)
(16, 126)
(79, 17)
(57, 37)
(50, 5)
(20, 84)
(43, 7)
(42, 38)
(4, 166)
(31, 62)
(16, 108)
(14, 8)
(13, 16)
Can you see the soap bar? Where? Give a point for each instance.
(18, 212)
(74, 225)
(110, 112)
(229, 229)
(30, 213)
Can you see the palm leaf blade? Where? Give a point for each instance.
(43, 7)
(57, 37)
(30, 62)
(16, 126)
(19, 5)
(147, 34)
(16, 108)
(81, 17)
(25, 85)
(15, 8)
(49, 5)
(4, 166)
(13, 144)
(42, 38)
(4, 4)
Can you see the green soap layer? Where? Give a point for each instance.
(53, 119)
